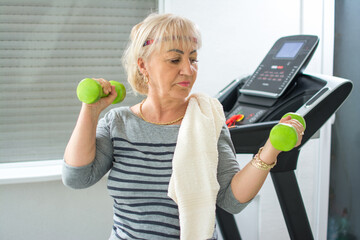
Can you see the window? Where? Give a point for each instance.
(46, 48)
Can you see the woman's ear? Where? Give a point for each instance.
(141, 66)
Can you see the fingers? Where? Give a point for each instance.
(106, 86)
(108, 90)
(106, 101)
(285, 119)
(112, 93)
(297, 125)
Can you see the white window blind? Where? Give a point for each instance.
(46, 48)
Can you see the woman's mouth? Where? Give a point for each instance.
(184, 84)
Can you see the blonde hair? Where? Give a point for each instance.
(148, 36)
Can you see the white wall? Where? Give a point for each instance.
(238, 34)
(49, 210)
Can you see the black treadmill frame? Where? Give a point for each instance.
(283, 175)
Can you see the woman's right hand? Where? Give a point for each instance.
(104, 102)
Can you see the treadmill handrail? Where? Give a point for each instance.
(338, 89)
(255, 125)
(259, 132)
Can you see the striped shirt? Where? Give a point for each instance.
(139, 156)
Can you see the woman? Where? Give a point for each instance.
(165, 152)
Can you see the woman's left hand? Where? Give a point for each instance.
(297, 125)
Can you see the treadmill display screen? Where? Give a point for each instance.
(289, 50)
(287, 57)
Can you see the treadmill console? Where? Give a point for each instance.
(288, 57)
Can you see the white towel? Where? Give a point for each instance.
(193, 184)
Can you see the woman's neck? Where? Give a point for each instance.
(163, 110)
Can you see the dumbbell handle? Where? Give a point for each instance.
(90, 91)
(284, 136)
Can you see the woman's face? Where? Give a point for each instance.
(172, 71)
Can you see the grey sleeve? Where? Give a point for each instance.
(86, 176)
(227, 168)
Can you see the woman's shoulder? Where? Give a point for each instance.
(118, 112)
(118, 116)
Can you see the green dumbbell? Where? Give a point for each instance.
(90, 91)
(284, 136)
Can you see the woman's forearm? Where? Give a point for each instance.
(81, 148)
(247, 182)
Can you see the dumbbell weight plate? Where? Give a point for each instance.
(283, 137)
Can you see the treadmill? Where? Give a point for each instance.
(278, 86)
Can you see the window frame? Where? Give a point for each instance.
(33, 165)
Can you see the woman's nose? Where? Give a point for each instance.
(187, 68)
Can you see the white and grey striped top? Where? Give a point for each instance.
(139, 156)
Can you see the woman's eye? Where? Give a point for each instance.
(175, 61)
(178, 60)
